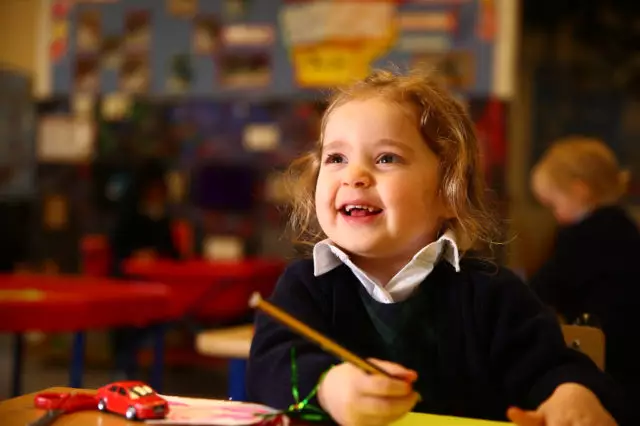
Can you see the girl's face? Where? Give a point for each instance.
(377, 194)
(568, 204)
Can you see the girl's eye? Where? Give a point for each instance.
(389, 158)
(334, 159)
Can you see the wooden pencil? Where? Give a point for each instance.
(257, 302)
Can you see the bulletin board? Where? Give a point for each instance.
(265, 47)
(213, 84)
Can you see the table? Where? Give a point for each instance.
(216, 291)
(75, 304)
(231, 342)
(18, 411)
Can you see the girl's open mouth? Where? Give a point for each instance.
(353, 210)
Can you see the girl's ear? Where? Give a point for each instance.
(446, 210)
(581, 192)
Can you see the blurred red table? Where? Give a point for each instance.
(76, 304)
(209, 290)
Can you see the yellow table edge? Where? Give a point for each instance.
(420, 419)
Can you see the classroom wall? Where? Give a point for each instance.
(20, 19)
(532, 226)
(18, 33)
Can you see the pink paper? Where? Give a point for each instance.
(199, 411)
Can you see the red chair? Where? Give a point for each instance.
(95, 255)
(182, 233)
(96, 252)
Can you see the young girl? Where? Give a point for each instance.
(392, 197)
(597, 248)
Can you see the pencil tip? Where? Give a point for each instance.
(255, 299)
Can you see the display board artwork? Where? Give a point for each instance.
(267, 48)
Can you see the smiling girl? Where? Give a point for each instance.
(393, 200)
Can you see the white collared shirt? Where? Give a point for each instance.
(326, 257)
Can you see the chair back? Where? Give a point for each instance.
(586, 339)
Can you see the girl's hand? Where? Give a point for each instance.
(570, 405)
(353, 397)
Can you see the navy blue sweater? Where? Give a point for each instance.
(494, 344)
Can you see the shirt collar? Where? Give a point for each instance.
(327, 256)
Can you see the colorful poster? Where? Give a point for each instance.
(64, 139)
(455, 68)
(83, 105)
(181, 73)
(347, 38)
(89, 31)
(427, 21)
(137, 30)
(277, 48)
(182, 8)
(487, 25)
(60, 8)
(245, 70)
(86, 74)
(135, 74)
(235, 9)
(59, 38)
(421, 43)
(111, 52)
(206, 35)
(329, 65)
(115, 106)
(254, 35)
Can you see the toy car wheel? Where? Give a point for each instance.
(102, 405)
(131, 413)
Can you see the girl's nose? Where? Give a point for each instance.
(357, 177)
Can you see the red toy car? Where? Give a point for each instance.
(134, 400)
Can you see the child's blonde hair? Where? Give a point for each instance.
(588, 160)
(447, 129)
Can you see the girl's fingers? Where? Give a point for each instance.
(525, 418)
(382, 386)
(396, 370)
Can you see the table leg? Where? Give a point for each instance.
(157, 367)
(237, 373)
(16, 374)
(77, 360)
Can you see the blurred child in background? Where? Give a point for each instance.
(143, 229)
(143, 226)
(592, 269)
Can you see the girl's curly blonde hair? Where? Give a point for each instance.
(447, 129)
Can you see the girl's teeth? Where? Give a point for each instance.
(351, 207)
